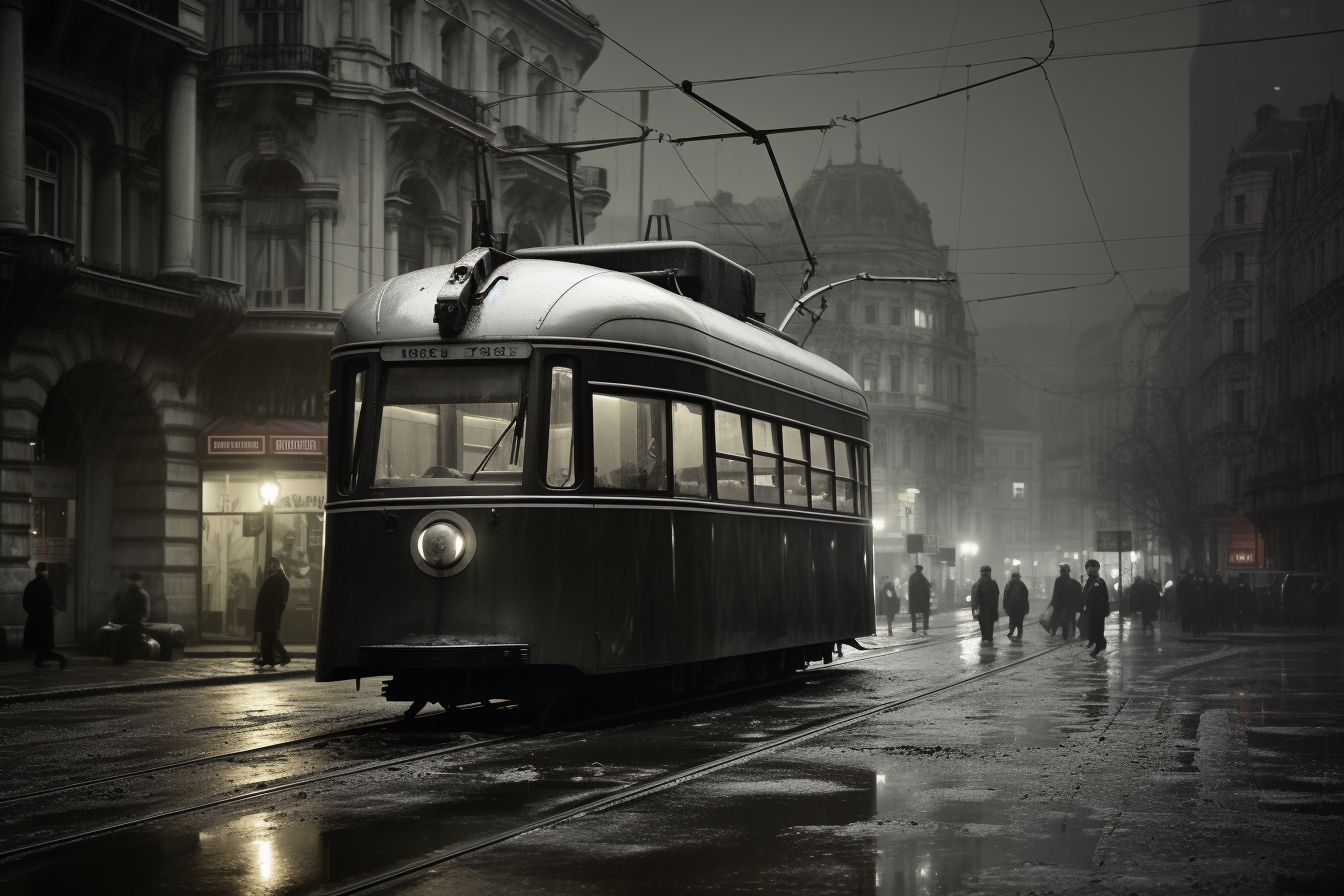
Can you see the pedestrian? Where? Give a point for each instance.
(39, 631)
(1016, 603)
(1149, 602)
(1096, 602)
(1065, 601)
(1185, 600)
(985, 605)
(130, 610)
(888, 601)
(918, 597)
(271, 600)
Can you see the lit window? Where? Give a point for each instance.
(1019, 491)
(629, 443)
(922, 318)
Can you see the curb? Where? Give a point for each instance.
(96, 690)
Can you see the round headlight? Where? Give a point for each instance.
(441, 545)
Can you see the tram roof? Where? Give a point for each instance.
(542, 299)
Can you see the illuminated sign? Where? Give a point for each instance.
(1240, 557)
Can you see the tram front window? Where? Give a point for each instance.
(452, 425)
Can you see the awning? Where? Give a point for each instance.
(241, 436)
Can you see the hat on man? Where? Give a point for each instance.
(918, 568)
(985, 569)
(1017, 575)
(40, 567)
(135, 577)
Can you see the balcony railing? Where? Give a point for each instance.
(163, 10)
(270, 58)
(408, 76)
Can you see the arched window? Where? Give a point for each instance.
(548, 109)
(868, 375)
(275, 242)
(453, 50)
(880, 448)
(894, 363)
(506, 79)
(412, 239)
(274, 21)
(42, 183)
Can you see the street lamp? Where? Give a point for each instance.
(269, 490)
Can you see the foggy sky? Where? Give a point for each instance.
(1127, 116)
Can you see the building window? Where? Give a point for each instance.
(894, 363)
(994, 490)
(274, 21)
(869, 375)
(896, 315)
(930, 454)
(923, 319)
(870, 314)
(961, 513)
(907, 452)
(962, 454)
(1019, 491)
(1239, 266)
(1020, 457)
(275, 241)
(453, 52)
(42, 180)
(1238, 209)
(398, 29)
(1239, 335)
(1019, 528)
(993, 455)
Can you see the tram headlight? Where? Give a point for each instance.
(441, 545)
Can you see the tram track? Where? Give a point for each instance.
(360, 768)
(637, 791)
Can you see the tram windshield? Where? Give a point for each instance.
(455, 425)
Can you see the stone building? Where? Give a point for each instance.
(1012, 501)
(1226, 405)
(1297, 487)
(190, 192)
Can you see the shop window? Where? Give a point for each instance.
(689, 479)
(452, 425)
(560, 471)
(274, 21)
(764, 462)
(42, 180)
(795, 466)
(275, 240)
(629, 443)
(822, 476)
(730, 462)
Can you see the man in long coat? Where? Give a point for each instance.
(918, 597)
(39, 632)
(1016, 603)
(1096, 603)
(1065, 602)
(985, 603)
(888, 601)
(271, 600)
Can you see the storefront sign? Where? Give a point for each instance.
(237, 445)
(313, 446)
(482, 352)
(1236, 557)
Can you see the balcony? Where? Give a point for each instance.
(269, 58)
(408, 76)
(591, 177)
(163, 10)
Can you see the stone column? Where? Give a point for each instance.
(12, 128)
(327, 298)
(223, 209)
(312, 282)
(394, 205)
(107, 213)
(178, 195)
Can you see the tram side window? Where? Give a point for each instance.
(730, 462)
(629, 443)
(452, 425)
(861, 468)
(688, 451)
(795, 466)
(822, 481)
(844, 478)
(352, 385)
(560, 472)
(764, 462)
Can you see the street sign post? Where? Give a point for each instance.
(1119, 541)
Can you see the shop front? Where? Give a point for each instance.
(263, 487)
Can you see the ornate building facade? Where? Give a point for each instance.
(190, 192)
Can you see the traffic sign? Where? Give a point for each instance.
(1112, 541)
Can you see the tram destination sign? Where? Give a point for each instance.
(480, 351)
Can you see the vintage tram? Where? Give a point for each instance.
(586, 469)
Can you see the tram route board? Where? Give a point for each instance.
(478, 352)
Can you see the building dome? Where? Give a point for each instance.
(863, 199)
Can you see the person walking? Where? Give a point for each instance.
(985, 605)
(1065, 601)
(130, 610)
(39, 631)
(1096, 602)
(918, 597)
(271, 600)
(888, 601)
(1016, 603)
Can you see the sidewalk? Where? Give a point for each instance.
(87, 676)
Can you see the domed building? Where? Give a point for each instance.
(905, 343)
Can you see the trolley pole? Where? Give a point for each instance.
(643, 122)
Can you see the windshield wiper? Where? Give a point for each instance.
(522, 406)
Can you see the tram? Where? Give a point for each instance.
(586, 468)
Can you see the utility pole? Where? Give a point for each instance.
(644, 123)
